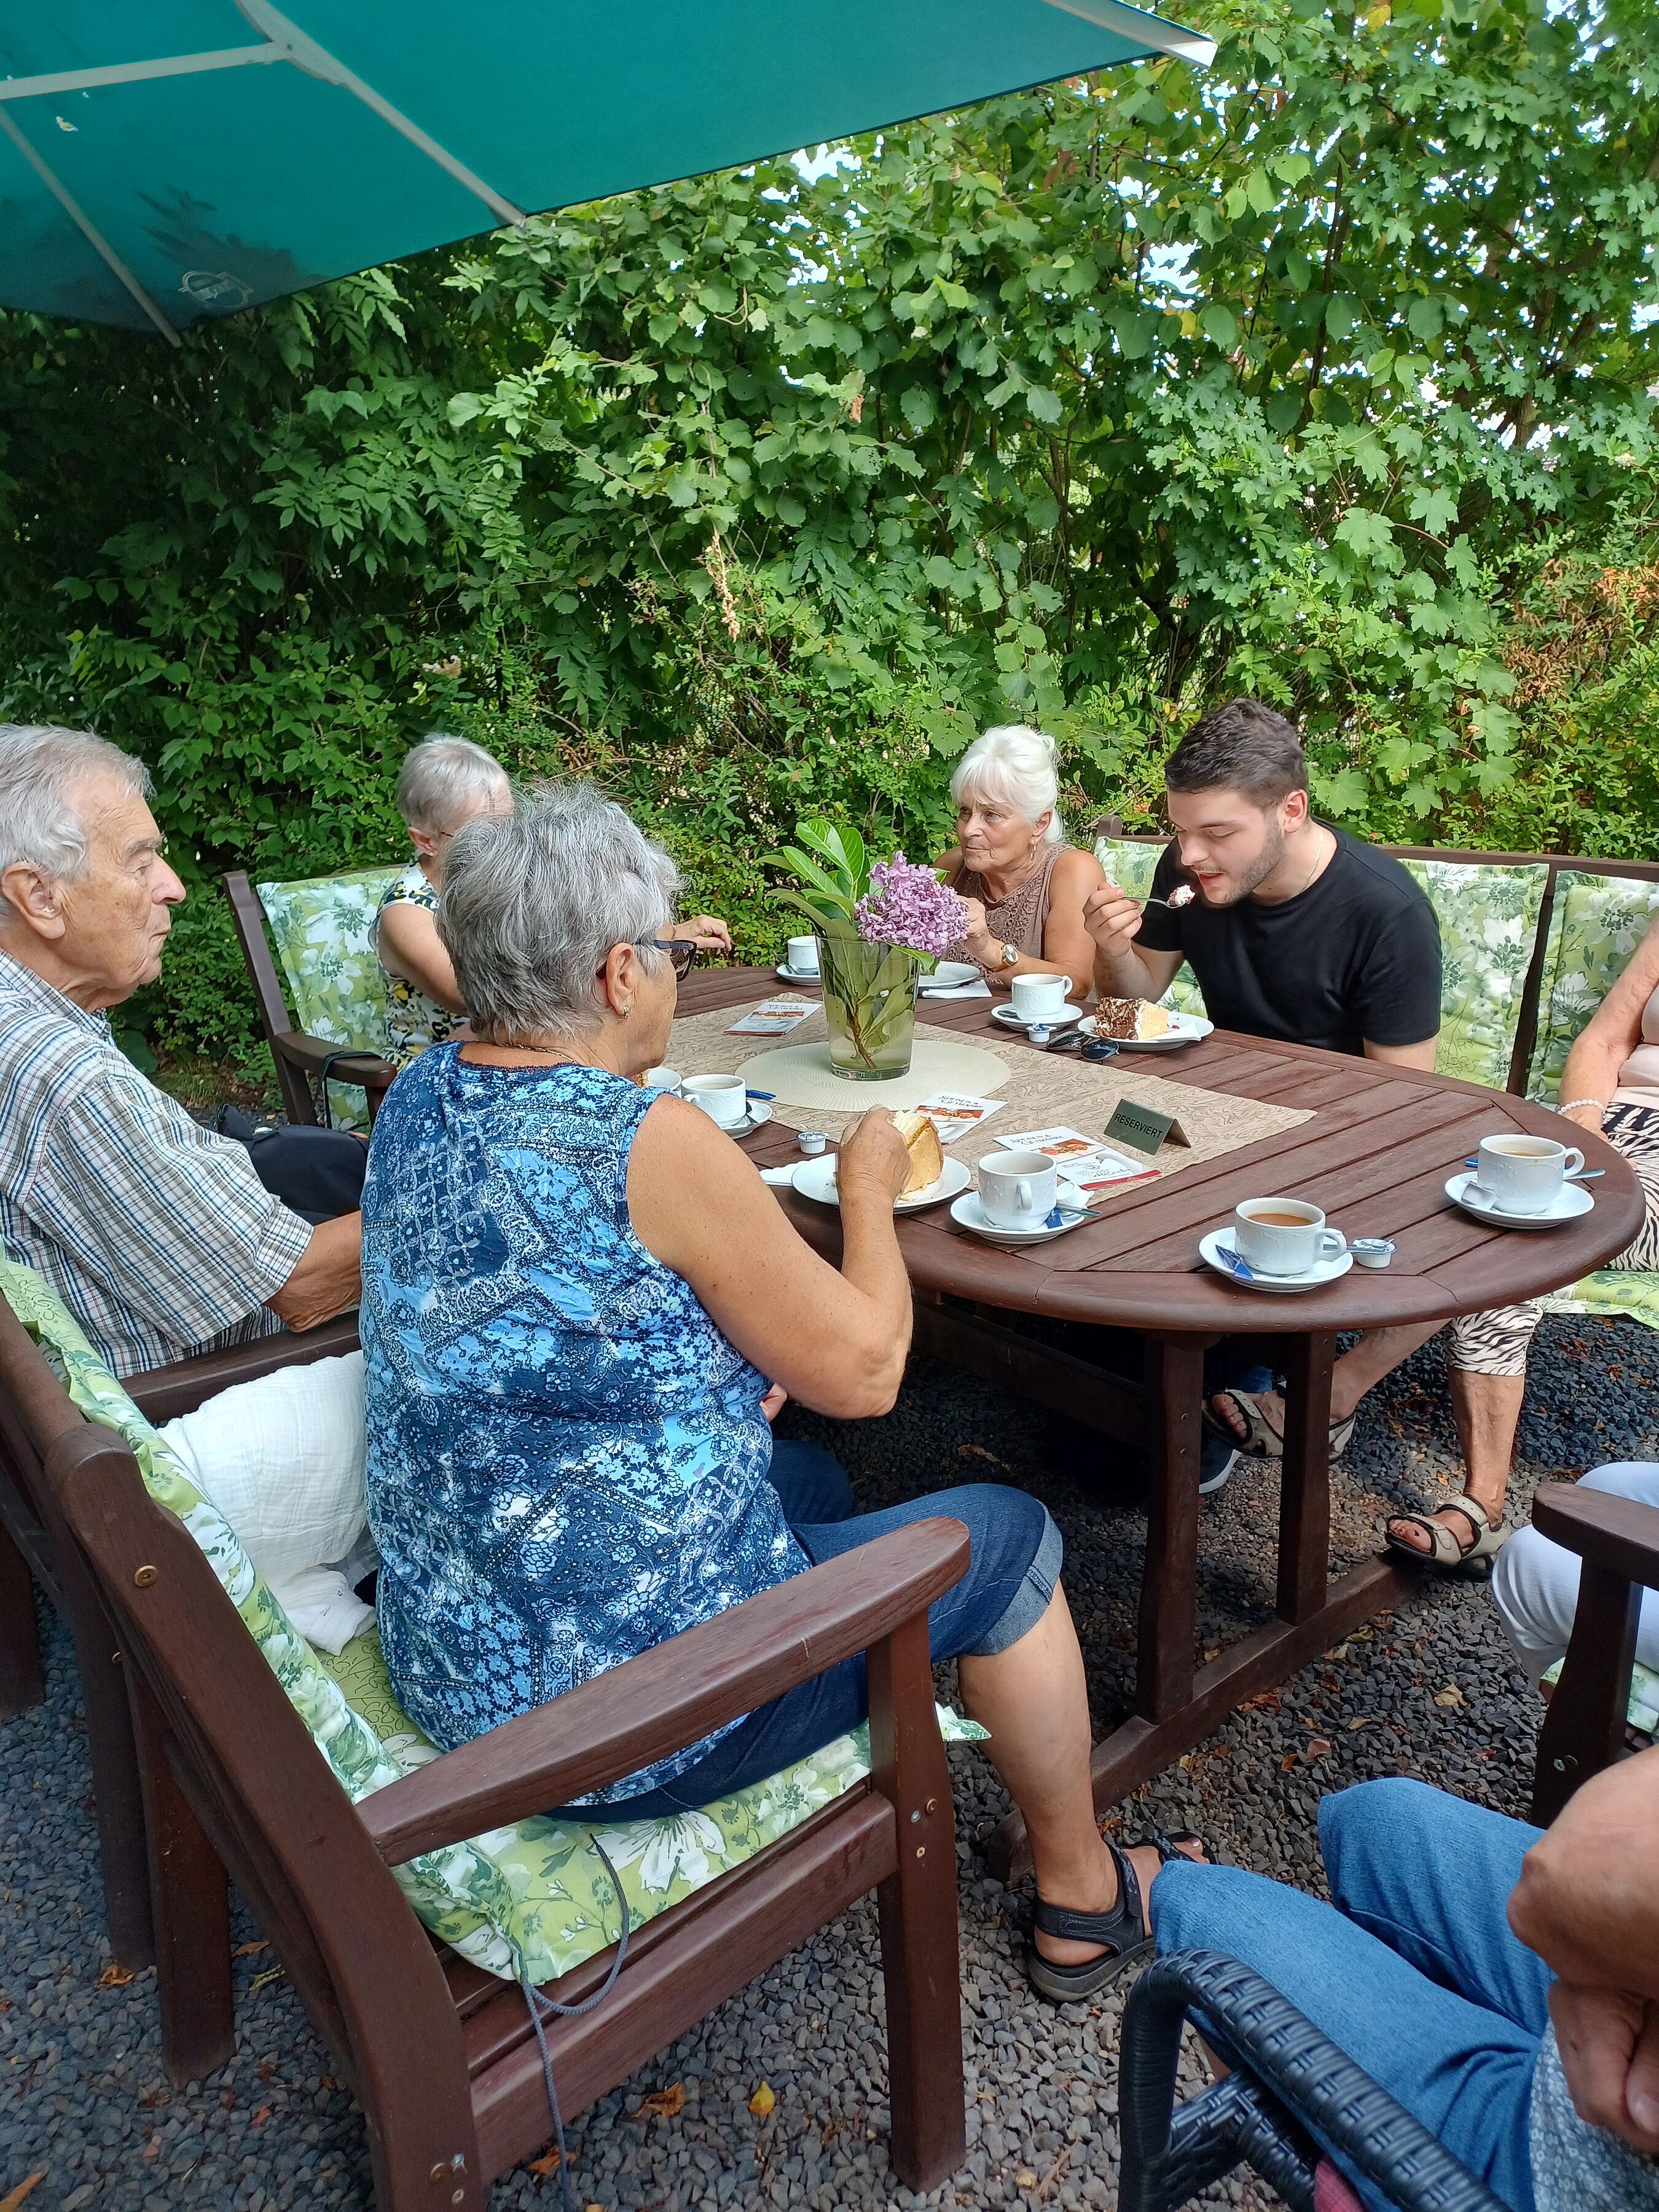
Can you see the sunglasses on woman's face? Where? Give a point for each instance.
(682, 955)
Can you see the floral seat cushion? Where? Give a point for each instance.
(323, 930)
(532, 1897)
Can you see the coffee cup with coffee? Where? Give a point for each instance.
(724, 1098)
(1524, 1175)
(1039, 998)
(1284, 1236)
(1016, 1189)
(802, 955)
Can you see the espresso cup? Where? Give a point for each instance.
(802, 957)
(661, 1079)
(1016, 1189)
(1035, 996)
(1284, 1236)
(1524, 1175)
(724, 1098)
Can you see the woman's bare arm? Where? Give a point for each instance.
(1068, 947)
(836, 1340)
(409, 945)
(1613, 1032)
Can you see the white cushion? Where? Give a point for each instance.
(283, 1461)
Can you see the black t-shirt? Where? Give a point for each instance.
(1354, 958)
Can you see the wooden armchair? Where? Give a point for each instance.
(33, 1411)
(441, 2056)
(301, 1060)
(1618, 1540)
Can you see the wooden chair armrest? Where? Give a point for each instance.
(635, 1714)
(1619, 1534)
(165, 1392)
(311, 1054)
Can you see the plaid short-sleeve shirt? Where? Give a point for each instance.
(156, 1233)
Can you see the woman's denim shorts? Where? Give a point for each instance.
(1013, 1569)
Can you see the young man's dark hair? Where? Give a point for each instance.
(1242, 747)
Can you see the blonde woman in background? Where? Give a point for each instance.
(445, 783)
(1023, 884)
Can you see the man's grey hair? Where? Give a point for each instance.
(441, 777)
(40, 766)
(534, 900)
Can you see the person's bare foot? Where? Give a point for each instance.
(1268, 1403)
(1451, 1518)
(1144, 1858)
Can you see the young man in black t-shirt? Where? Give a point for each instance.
(1295, 931)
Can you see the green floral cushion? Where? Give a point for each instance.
(1597, 923)
(1488, 917)
(1618, 1293)
(532, 1896)
(1131, 868)
(323, 926)
(1642, 1712)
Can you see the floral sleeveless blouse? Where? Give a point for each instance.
(413, 1020)
(568, 1463)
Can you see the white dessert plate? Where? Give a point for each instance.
(1184, 1028)
(1569, 1203)
(816, 1179)
(970, 1214)
(1011, 1020)
(797, 975)
(950, 976)
(1327, 1271)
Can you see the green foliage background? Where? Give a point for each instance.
(1322, 374)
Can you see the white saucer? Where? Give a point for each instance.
(971, 1215)
(1184, 1028)
(816, 1179)
(1010, 1020)
(1327, 1271)
(803, 976)
(950, 976)
(1569, 1203)
(758, 1115)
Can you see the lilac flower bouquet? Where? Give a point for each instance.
(909, 906)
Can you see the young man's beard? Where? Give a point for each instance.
(1260, 869)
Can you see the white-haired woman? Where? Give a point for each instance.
(445, 783)
(1023, 884)
(579, 1301)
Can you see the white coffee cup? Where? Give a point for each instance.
(1016, 1189)
(724, 1098)
(1035, 996)
(1284, 1236)
(661, 1079)
(1524, 1175)
(802, 955)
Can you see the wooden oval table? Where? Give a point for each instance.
(1376, 1153)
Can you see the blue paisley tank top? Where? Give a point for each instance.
(568, 1463)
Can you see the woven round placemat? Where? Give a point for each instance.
(800, 1075)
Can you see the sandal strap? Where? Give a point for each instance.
(1472, 1511)
(1118, 1930)
(1165, 1846)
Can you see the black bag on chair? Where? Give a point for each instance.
(318, 1173)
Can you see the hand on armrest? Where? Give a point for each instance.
(637, 1713)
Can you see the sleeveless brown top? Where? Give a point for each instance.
(1018, 919)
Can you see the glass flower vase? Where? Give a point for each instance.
(870, 1005)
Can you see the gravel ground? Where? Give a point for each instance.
(84, 2104)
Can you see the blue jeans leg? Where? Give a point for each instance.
(811, 1483)
(1462, 2062)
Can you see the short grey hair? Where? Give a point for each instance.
(443, 775)
(533, 900)
(1020, 766)
(40, 766)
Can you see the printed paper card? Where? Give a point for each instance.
(954, 1114)
(773, 1018)
(1082, 1160)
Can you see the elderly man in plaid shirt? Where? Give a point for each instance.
(156, 1233)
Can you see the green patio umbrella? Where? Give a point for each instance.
(165, 161)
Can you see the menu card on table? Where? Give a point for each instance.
(773, 1018)
(1084, 1161)
(954, 1112)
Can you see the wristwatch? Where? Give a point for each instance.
(1011, 956)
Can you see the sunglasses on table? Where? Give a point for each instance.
(1085, 1047)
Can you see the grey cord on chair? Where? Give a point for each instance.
(534, 1999)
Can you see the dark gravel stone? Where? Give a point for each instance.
(83, 2099)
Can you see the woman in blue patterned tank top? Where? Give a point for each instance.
(580, 1307)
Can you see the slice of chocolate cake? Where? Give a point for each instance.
(1130, 1020)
